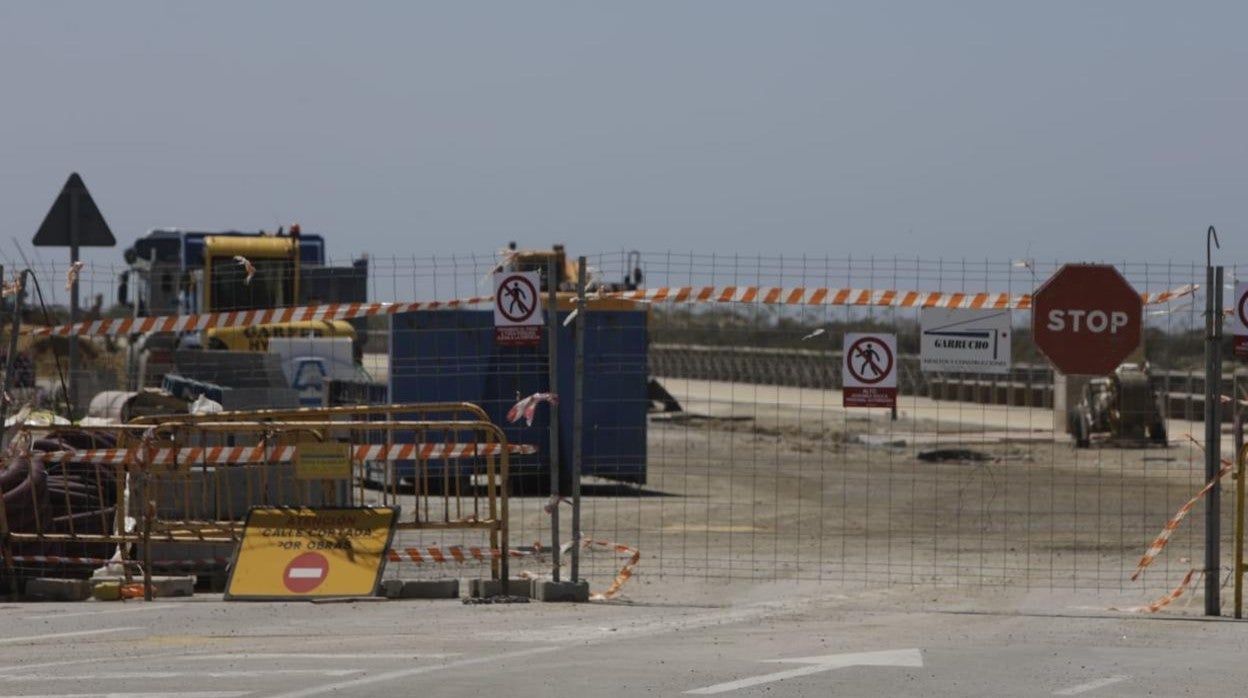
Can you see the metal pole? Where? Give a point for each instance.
(71, 400)
(1213, 438)
(552, 340)
(11, 360)
(578, 424)
(1239, 525)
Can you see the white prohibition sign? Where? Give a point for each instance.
(516, 298)
(870, 355)
(1239, 309)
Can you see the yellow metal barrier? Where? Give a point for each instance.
(187, 481)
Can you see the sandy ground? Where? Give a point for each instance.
(756, 483)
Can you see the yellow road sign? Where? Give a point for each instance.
(300, 552)
(323, 461)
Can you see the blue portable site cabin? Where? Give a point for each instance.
(451, 355)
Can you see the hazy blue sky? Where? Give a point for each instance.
(1063, 130)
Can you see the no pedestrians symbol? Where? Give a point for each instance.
(869, 370)
(517, 321)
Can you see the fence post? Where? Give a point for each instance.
(578, 419)
(552, 340)
(1213, 438)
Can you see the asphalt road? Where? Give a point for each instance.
(784, 640)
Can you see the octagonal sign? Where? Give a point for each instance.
(1086, 318)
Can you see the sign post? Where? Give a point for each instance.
(1239, 320)
(74, 221)
(869, 370)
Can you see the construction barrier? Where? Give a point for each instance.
(181, 482)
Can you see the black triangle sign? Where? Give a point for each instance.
(58, 230)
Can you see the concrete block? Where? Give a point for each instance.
(46, 589)
(166, 587)
(478, 588)
(391, 589)
(549, 590)
(428, 589)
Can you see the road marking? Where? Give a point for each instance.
(58, 636)
(128, 675)
(130, 609)
(295, 655)
(350, 687)
(1091, 685)
(92, 660)
(581, 633)
(178, 694)
(905, 658)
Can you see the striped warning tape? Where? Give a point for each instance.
(453, 553)
(222, 455)
(1168, 598)
(101, 561)
(684, 294)
(854, 296)
(1164, 537)
(206, 321)
(625, 573)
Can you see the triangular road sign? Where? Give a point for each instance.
(57, 230)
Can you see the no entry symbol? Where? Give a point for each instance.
(305, 573)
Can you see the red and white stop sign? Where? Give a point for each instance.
(1086, 318)
(305, 573)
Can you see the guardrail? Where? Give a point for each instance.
(1026, 385)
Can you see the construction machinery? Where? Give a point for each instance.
(1122, 408)
(179, 271)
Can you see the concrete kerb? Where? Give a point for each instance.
(481, 588)
(435, 589)
(109, 588)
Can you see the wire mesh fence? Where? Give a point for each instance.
(713, 436)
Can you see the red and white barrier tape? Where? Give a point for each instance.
(1164, 537)
(206, 321)
(101, 561)
(528, 407)
(1168, 598)
(453, 553)
(223, 455)
(685, 294)
(855, 296)
(625, 573)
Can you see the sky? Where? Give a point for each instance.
(1068, 131)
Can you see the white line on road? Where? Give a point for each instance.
(163, 694)
(128, 675)
(1091, 686)
(128, 609)
(58, 636)
(351, 687)
(885, 658)
(295, 655)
